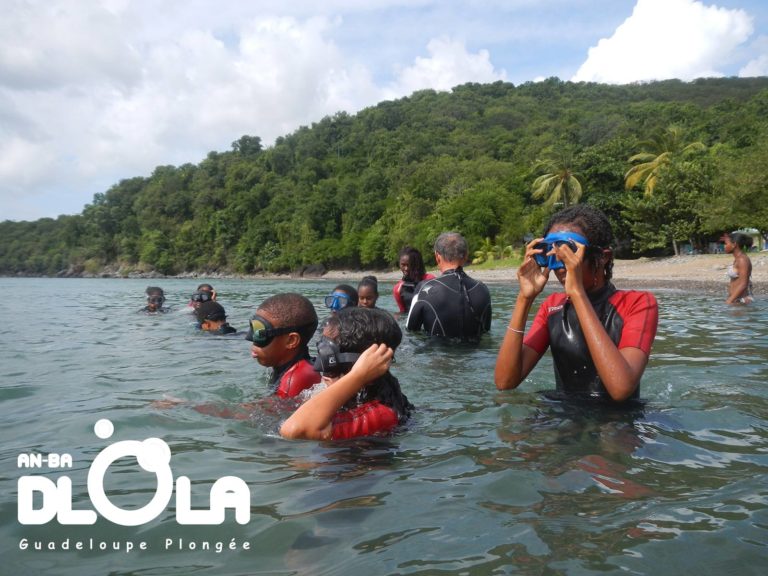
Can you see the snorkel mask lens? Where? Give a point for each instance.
(337, 301)
(557, 239)
(330, 361)
(201, 296)
(260, 332)
(156, 300)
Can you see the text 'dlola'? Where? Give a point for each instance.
(153, 455)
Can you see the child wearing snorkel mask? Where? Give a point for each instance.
(280, 332)
(342, 296)
(362, 397)
(600, 337)
(155, 300)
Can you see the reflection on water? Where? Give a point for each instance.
(478, 482)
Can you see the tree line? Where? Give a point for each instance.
(669, 162)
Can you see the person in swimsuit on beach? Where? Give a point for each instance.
(740, 271)
(600, 337)
(361, 397)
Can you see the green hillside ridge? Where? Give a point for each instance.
(351, 190)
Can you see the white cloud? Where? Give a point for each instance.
(758, 66)
(668, 39)
(448, 65)
(94, 92)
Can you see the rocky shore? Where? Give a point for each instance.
(701, 273)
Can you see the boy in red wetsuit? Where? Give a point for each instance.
(280, 332)
(361, 397)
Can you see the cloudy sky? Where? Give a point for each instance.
(95, 91)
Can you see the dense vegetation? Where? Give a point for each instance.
(491, 161)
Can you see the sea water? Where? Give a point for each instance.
(479, 481)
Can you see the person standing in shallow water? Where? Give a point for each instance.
(452, 305)
(740, 271)
(368, 292)
(600, 337)
(412, 266)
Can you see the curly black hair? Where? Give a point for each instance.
(355, 330)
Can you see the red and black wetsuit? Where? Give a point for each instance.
(367, 419)
(630, 318)
(404, 291)
(291, 379)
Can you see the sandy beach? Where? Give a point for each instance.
(704, 273)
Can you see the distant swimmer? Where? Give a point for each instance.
(204, 293)
(740, 271)
(155, 301)
(600, 337)
(212, 318)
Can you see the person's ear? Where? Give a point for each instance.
(293, 341)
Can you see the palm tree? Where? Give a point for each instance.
(657, 153)
(558, 183)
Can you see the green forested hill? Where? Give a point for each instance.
(351, 190)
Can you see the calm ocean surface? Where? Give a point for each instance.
(480, 482)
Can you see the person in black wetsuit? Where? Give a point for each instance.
(212, 318)
(452, 305)
(600, 337)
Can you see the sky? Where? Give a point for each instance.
(95, 91)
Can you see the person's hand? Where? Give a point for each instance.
(168, 401)
(373, 363)
(531, 276)
(573, 261)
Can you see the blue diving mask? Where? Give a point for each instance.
(337, 301)
(557, 239)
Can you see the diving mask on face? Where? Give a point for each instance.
(201, 296)
(557, 239)
(330, 361)
(337, 301)
(156, 300)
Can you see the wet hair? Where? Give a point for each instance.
(416, 268)
(154, 291)
(291, 309)
(452, 247)
(349, 291)
(369, 281)
(595, 226)
(205, 288)
(743, 241)
(355, 330)
(210, 311)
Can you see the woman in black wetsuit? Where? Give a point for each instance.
(600, 337)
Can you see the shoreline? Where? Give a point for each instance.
(700, 273)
